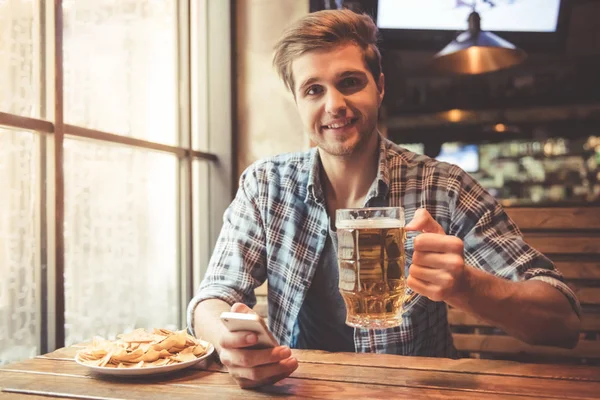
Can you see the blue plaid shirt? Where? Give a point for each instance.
(277, 225)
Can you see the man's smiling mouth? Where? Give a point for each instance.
(340, 123)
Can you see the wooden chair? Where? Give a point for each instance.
(570, 237)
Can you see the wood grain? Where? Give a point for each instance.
(509, 385)
(509, 345)
(587, 270)
(588, 295)
(564, 244)
(57, 385)
(589, 322)
(320, 375)
(62, 353)
(21, 394)
(466, 365)
(208, 388)
(310, 380)
(585, 218)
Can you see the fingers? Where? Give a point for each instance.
(441, 281)
(445, 261)
(438, 266)
(238, 340)
(253, 358)
(435, 275)
(431, 276)
(423, 221)
(241, 308)
(265, 374)
(253, 368)
(433, 292)
(432, 242)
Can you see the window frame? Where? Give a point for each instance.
(204, 118)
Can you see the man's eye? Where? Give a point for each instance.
(349, 82)
(313, 90)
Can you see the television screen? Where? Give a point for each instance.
(533, 25)
(465, 156)
(496, 15)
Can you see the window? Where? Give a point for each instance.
(115, 164)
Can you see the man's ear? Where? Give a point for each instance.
(381, 88)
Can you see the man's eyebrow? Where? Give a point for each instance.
(307, 82)
(351, 72)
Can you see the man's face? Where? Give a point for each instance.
(337, 98)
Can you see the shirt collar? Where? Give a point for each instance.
(379, 188)
(314, 190)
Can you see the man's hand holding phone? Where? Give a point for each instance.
(250, 352)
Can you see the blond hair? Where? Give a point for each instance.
(325, 30)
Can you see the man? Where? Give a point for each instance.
(280, 226)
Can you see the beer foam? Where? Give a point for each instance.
(373, 223)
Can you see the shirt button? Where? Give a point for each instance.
(323, 232)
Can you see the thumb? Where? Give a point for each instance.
(423, 221)
(241, 308)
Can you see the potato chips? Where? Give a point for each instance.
(140, 348)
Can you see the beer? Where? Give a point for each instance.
(371, 270)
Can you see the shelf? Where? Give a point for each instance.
(507, 203)
(543, 157)
(543, 183)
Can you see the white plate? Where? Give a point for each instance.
(150, 370)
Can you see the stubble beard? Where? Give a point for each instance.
(343, 149)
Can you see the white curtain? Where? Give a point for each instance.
(19, 183)
(121, 252)
(120, 63)
(19, 245)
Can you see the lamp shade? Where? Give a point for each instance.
(475, 52)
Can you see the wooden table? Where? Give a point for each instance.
(320, 375)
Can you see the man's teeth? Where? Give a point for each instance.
(339, 125)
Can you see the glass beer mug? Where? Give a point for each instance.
(371, 260)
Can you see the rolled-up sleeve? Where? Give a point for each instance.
(494, 243)
(237, 265)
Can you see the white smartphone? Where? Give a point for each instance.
(250, 322)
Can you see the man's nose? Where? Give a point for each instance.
(335, 102)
